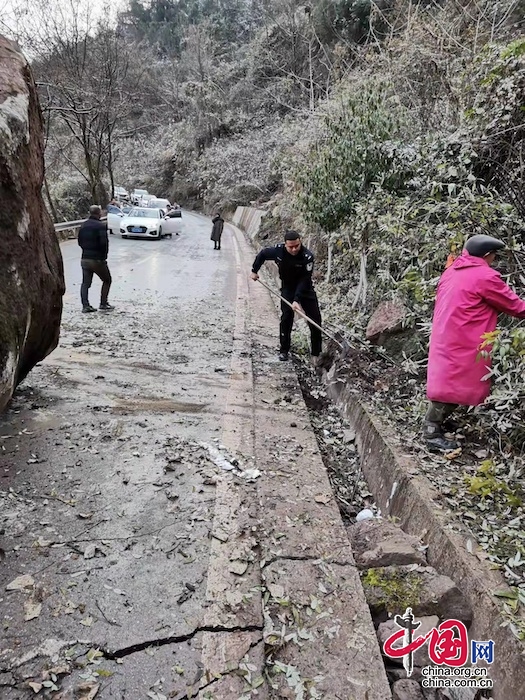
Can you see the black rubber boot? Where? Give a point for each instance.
(435, 440)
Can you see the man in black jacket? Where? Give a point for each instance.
(295, 264)
(93, 239)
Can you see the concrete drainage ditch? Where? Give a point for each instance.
(396, 572)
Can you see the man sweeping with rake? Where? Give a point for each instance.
(295, 264)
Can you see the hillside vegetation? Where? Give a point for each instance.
(386, 131)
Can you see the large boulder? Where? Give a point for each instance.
(31, 272)
(387, 319)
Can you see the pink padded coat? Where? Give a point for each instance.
(470, 295)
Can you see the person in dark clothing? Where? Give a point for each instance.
(93, 239)
(295, 264)
(216, 232)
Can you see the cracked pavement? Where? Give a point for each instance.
(168, 526)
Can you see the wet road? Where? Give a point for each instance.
(115, 526)
(168, 525)
(182, 267)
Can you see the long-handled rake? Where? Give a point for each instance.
(343, 344)
(335, 334)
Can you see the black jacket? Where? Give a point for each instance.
(93, 239)
(218, 225)
(295, 271)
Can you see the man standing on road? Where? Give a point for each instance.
(216, 232)
(93, 239)
(470, 295)
(295, 264)
(114, 206)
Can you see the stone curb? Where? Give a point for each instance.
(318, 626)
(401, 492)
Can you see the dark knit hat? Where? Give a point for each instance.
(480, 245)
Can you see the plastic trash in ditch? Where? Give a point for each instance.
(365, 514)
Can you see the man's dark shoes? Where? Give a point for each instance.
(106, 307)
(283, 356)
(88, 309)
(439, 443)
(435, 440)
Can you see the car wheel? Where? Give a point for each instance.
(110, 232)
(160, 233)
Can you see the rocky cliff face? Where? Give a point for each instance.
(31, 273)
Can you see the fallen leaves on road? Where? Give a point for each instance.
(323, 498)
(32, 609)
(87, 691)
(453, 454)
(21, 583)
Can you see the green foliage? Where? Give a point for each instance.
(352, 153)
(506, 412)
(349, 20)
(399, 589)
(490, 482)
(515, 49)
(164, 23)
(73, 198)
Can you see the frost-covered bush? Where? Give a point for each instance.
(351, 153)
(71, 197)
(243, 168)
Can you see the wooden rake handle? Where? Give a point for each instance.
(301, 313)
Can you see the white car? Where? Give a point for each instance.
(158, 204)
(146, 199)
(120, 193)
(138, 195)
(148, 223)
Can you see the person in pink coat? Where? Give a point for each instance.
(470, 295)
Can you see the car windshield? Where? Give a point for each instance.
(144, 213)
(141, 192)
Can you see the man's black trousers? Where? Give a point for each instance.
(311, 309)
(90, 268)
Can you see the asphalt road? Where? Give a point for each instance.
(103, 448)
(167, 525)
(185, 267)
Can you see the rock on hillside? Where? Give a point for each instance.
(31, 273)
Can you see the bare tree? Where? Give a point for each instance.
(91, 87)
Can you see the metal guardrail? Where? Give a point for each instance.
(71, 225)
(67, 225)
